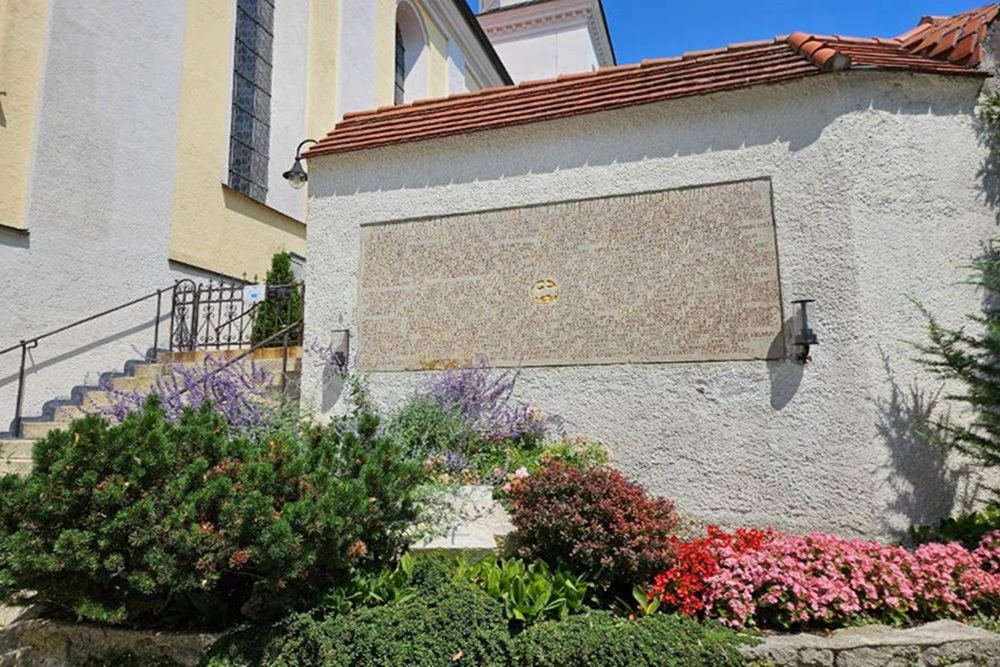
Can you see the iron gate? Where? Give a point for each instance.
(221, 316)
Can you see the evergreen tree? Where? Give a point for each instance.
(283, 305)
(971, 356)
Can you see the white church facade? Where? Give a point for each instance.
(144, 142)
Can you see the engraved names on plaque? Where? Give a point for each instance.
(671, 276)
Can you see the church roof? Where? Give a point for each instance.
(938, 45)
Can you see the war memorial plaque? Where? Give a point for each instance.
(671, 276)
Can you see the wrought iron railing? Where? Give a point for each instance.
(219, 316)
(212, 316)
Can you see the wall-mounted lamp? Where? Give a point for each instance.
(297, 176)
(341, 356)
(804, 335)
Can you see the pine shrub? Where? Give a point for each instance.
(593, 521)
(153, 523)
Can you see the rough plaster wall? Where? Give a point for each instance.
(100, 199)
(876, 201)
(289, 99)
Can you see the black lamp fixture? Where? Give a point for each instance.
(297, 176)
(804, 335)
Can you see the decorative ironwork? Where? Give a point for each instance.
(221, 316)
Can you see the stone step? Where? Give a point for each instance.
(38, 430)
(151, 372)
(16, 449)
(68, 413)
(199, 357)
(94, 400)
(15, 467)
(133, 384)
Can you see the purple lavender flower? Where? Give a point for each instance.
(484, 400)
(243, 393)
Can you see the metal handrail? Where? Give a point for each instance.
(257, 346)
(31, 343)
(157, 293)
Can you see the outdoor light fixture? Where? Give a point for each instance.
(804, 336)
(297, 176)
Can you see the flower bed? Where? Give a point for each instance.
(768, 579)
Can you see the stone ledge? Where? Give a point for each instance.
(26, 641)
(933, 645)
(468, 521)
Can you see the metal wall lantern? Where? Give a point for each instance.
(297, 176)
(805, 337)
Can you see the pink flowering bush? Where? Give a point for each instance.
(782, 581)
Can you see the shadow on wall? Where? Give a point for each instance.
(14, 238)
(12, 360)
(989, 171)
(785, 375)
(721, 122)
(927, 481)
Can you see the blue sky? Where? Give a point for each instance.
(656, 28)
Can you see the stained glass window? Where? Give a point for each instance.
(251, 121)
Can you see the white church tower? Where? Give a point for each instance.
(540, 39)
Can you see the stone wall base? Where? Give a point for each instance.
(934, 645)
(35, 642)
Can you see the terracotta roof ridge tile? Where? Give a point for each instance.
(947, 38)
(619, 78)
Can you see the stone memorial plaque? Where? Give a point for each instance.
(673, 276)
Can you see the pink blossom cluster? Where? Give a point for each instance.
(821, 579)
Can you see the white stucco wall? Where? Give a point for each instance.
(101, 185)
(876, 199)
(289, 99)
(356, 65)
(545, 54)
(456, 69)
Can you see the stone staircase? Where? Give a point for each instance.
(139, 377)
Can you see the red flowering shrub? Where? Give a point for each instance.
(768, 579)
(594, 521)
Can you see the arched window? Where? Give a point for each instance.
(411, 55)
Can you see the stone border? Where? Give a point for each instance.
(27, 641)
(933, 645)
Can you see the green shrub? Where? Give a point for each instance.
(373, 588)
(451, 622)
(186, 524)
(282, 307)
(528, 593)
(653, 641)
(460, 626)
(968, 529)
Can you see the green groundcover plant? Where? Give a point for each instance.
(450, 621)
(154, 523)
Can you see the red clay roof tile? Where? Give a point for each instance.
(951, 45)
(942, 36)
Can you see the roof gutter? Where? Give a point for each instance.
(484, 41)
